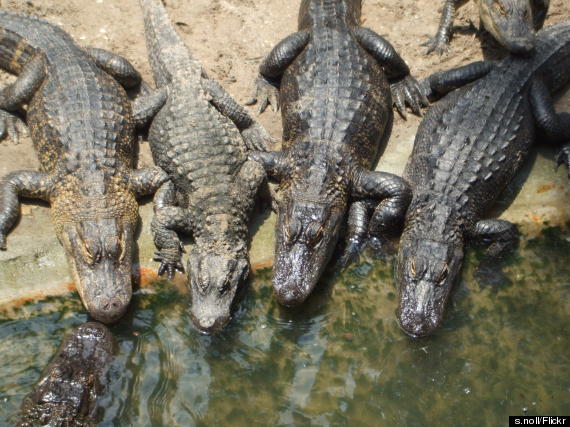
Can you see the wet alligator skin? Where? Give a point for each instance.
(81, 125)
(511, 22)
(66, 394)
(333, 78)
(201, 138)
(467, 149)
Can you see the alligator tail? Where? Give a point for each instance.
(15, 51)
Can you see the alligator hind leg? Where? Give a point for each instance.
(13, 96)
(117, 66)
(20, 183)
(394, 194)
(254, 135)
(272, 68)
(167, 221)
(498, 234)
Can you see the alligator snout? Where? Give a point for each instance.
(418, 324)
(521, 45)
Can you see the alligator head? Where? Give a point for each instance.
(215, 276)
(97, 235)
(70, 385)
(429, 261)
(512, 23)
(307, 232)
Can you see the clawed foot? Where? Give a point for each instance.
(564, 158)
(265, 93)
(3, 246)
(256, 138)
(11, 126)
(436, 44)
(408, 91)
(170, 261)
(351, 253)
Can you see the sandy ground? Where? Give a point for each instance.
(230, 37)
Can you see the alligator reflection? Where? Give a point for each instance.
(67, 392)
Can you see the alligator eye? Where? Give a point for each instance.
(413, 268)
(315, 233)
(443, 274)
(500, 8)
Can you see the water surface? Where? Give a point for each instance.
(339, 360)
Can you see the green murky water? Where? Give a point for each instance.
(339, 360)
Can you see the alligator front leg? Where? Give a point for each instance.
(439, 84)
(254, 135)
(556, 126)
(405, 88)
(14, 185)
(146, 181)
(357, 232)
(146, 106)
(115, 65)
(394, 195)
(440, 42)
(168, 220)
(539, 11)
(499, 235)
(13, 96)
(272, 68)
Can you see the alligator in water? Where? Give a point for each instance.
(76, 377)
(337, 102)
(82, 128)
(201, 138)
(467, 149)
(511, 22)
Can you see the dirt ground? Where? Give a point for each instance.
(230, 37)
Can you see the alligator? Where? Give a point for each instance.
(467, 149)
(71, 384)
(512, 23)
(201, 138)
(82, 126)
(332, 79)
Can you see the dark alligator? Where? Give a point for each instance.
(201, 138)
(82, 128)
(511, 22)
(337, 113)
(68, 390)
(467, 149)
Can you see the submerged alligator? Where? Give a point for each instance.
(511, 22)
(467, 149)
(76, 377)
(82, 128)
(337, 112)
(201, 138)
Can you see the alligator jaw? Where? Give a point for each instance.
(510, 23)
(307, 233)
(426, 272)
(214, 280)
(99, 253)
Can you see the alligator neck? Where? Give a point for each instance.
(329, 13)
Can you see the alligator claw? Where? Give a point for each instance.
(11, 126)
(265, 93)
(3, 245)
(563, 157)
(351, 253)
(256, 138)
(435, 44)
(169, 259)
(408, 91)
